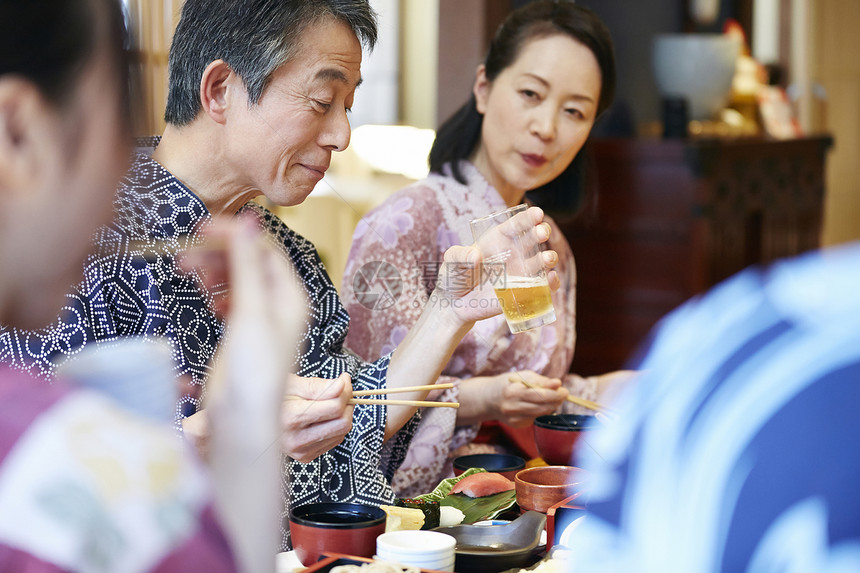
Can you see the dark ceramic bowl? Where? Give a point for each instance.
(556, 436)
(541, 487)
(505, 464)
(492, 548)
(351, 528)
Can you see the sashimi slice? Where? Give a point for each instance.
(483, 484)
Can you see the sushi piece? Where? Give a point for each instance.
(402, 518)
(483, 484)
(429, 507)
(449, 516)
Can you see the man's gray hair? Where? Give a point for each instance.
(254, 37)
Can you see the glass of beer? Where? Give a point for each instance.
(514, 267)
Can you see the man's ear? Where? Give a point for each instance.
(26, 140)
(215, 84)
(481, 89)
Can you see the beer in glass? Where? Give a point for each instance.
(514, 267)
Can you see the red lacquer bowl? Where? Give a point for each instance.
(556, 436)
(351, 528)
(541, 487)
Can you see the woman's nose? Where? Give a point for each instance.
(543, 122)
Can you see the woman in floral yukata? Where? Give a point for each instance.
(548, 75)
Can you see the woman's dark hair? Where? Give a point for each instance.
(458, 136)
(50, 42)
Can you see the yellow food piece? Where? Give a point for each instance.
(400, 518)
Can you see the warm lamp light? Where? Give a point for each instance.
(399, 149)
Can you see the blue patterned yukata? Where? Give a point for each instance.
(737, 450)
(130, 290)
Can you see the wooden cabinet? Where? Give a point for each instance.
(672, 218)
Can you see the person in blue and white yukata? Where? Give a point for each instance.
(737, 448)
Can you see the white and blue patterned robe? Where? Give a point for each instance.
(737, 448)
(127, 292)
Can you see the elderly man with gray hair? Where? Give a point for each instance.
(258, 101)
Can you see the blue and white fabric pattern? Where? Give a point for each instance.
(738, 450)
(128, 291)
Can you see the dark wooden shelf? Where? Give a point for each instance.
(674, 217)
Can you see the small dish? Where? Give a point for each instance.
(430, 549)
(493, 548)
(567, 520)
(493, 522)
(505, 464)
(558, 517)
(543, 534)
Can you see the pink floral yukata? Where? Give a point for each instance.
(411, 231)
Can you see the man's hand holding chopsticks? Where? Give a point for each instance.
(315, 416)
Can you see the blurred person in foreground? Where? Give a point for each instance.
(259, 94)
(737, 450)
(548, 76)
(85, 484)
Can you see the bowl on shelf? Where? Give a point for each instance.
(505, 464)
(541, 487)
(696, 67)
(556, 436)
(351, 528)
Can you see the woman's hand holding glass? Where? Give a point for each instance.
(466, 280)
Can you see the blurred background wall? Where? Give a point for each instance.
(424, 66)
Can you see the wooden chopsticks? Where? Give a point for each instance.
(358, 399)
(603, 410)
(384, 391)
(588, 404)
(419, 403)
